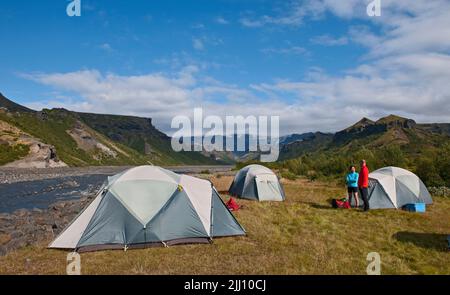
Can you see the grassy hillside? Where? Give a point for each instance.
(51, 127)
(390, 141)
(302, 235)
(140, 135)
(83, 139)
(11, 153)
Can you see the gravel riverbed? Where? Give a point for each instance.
(37, 204)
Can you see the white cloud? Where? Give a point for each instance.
(110, 93)
(362, 35)
(426, 31)
(106, 47)
(297, 50)
(198, 26)
(413, 86)
(198, 44)
(396, 85)
(327, 40)
(251, 23)
(295, 13)
(406, 71)
(154, 95)
(221, 20)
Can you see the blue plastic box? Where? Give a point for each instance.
(416, 207)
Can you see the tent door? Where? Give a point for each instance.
(268, 188)
(378, 198)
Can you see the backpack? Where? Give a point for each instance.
(232, 205)
(341, 203)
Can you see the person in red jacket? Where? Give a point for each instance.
(363, 184)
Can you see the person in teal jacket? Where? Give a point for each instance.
(352, 185)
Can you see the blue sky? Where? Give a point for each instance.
(320, 65)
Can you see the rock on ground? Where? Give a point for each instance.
(30, 227)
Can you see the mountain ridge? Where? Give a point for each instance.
(386, 131)
(82, 139)
(99, 139)
(11, 106)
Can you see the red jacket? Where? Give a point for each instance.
(363, 180)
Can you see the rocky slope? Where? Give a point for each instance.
(58, 137)
(141, 135)
(37, 155)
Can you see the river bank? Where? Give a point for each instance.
(36, 204)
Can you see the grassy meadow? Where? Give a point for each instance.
(302, 235)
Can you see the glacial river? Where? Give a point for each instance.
(41, 193)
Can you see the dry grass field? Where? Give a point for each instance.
(302, 235)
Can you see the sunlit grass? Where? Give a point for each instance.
(302, 235)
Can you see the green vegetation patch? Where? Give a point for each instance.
(12, 153)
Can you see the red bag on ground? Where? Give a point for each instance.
(232, 205)
(341, 203)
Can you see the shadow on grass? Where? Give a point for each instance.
(327, 206)
(424, 240)
(321, 206)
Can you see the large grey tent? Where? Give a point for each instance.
(149, 206)
(393, 187)
(256, 182)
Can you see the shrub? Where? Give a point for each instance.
(288, 175)
(439, 191)
(10, 153)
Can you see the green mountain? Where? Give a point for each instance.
(140, 135)
(439, 128)
(59, 137)
(389, 141)
(388, 131)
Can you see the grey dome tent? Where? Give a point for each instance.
(149, 206)
(256, 182)
(393, 187)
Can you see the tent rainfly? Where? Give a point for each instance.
(256, 182)
(393, 187)
(149, 206)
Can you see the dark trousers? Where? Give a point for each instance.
(364, 192)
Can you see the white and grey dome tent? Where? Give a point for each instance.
(393, 187)
(256, 182)
(149, 206)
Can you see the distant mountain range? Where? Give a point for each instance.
(387, 131)
(59, 137)
(238, 155)
(234, 155)
(291, 138)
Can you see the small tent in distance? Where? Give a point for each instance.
(149, 206)
(256, 182)
(393, 187)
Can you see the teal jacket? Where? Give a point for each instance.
(352, 179)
